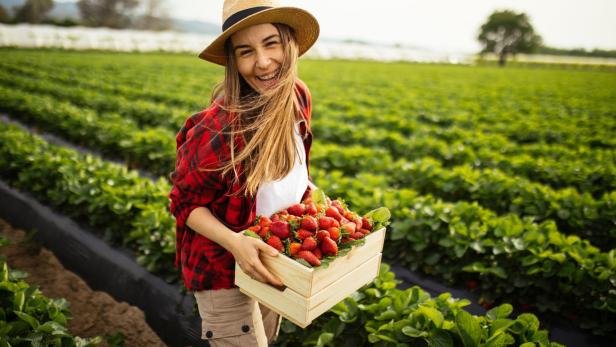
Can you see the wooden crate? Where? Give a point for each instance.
(309, 292)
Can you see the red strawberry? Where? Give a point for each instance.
(283, 212)
(321, 234)
(309, 223)
(297, 210)
(338, 205)
(311, 209)
(275, 242)
(317, 253)
(329, 246)
(255, 228)
(365, 224)
(326, 222)
(334, 213)
(334, 233)
(302, 234)
(345, 240)
(263, 232)
(357, 235)
(309, 244)
(280, 229)
(275, 218)
(364, 231)
(349, 227)
(309, 257)
(294, 247)
(349, 215)
(264, 221)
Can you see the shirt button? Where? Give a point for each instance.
(209, 334)
(245, 328)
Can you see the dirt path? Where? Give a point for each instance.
(94, 312)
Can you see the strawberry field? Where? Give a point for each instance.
(501, 182)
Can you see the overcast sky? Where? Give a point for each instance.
(444, 25)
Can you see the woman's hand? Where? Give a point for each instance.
(246, 251)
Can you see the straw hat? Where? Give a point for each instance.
(240, 14)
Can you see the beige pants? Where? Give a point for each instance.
(230, 318)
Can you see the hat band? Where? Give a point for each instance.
(238, 16)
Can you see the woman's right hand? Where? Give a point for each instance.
(246, 251)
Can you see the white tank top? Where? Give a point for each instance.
(276, 195)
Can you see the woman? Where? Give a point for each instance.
(245, 155)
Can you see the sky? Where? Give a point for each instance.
(440, 25)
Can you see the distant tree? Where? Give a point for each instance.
(155, 16)
(507, 32)
(33, 11)
(107, 13)
(4, 16)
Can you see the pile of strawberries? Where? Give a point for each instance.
(310, 231)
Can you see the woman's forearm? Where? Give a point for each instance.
(202, 221)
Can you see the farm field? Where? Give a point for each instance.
(500, 181)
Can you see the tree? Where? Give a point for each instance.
(4, 16)
(107, 13)
(507, 32)
(33, 11)
(155, 16)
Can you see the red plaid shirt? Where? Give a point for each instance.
(206, 264)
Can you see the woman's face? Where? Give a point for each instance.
(258, 53)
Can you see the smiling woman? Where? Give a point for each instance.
(245, 155)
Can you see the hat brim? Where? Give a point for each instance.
(303, 23)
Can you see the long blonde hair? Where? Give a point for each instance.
(264, 121)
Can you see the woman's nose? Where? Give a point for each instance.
(263, 60)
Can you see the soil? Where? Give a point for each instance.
(95, 313)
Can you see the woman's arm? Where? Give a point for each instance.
(245, 249)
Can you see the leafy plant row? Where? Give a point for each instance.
(426, 319)
(29, 318)
(76, 77)
(127, 209)
(381, 315)
(400, 124)
(574, 213)
(145, 113)
(113, 135)
(505, 257)
(596, 177)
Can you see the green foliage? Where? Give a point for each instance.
(28, 318)
(380, 315)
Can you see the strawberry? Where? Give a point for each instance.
(321, 234)
(309, 257)
(263, 232)
(357, 235)
(264, 221)
(297, 209)
(275, 218)
(309, 244)
(294, 247)
(349, 215)
(311, 209)
(349, 227)
(364, 231)
(309, 223)
(334, 233)
(345, 240)
(365, 224)
(334, 213)
(317, 253)
(329, 246)
(302, 234)
(280, 229)
(255, 228)
(338, 205)
(275, 242)
(283, 212)
(326, 222)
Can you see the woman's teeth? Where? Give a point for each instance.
(267, 77)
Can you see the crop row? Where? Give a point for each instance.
(153, 149)
(559, 174)
(29, 318)
(111, 199)
(406, 125)
(508, 257)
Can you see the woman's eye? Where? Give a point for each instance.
(245, 53)
(271, 43)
